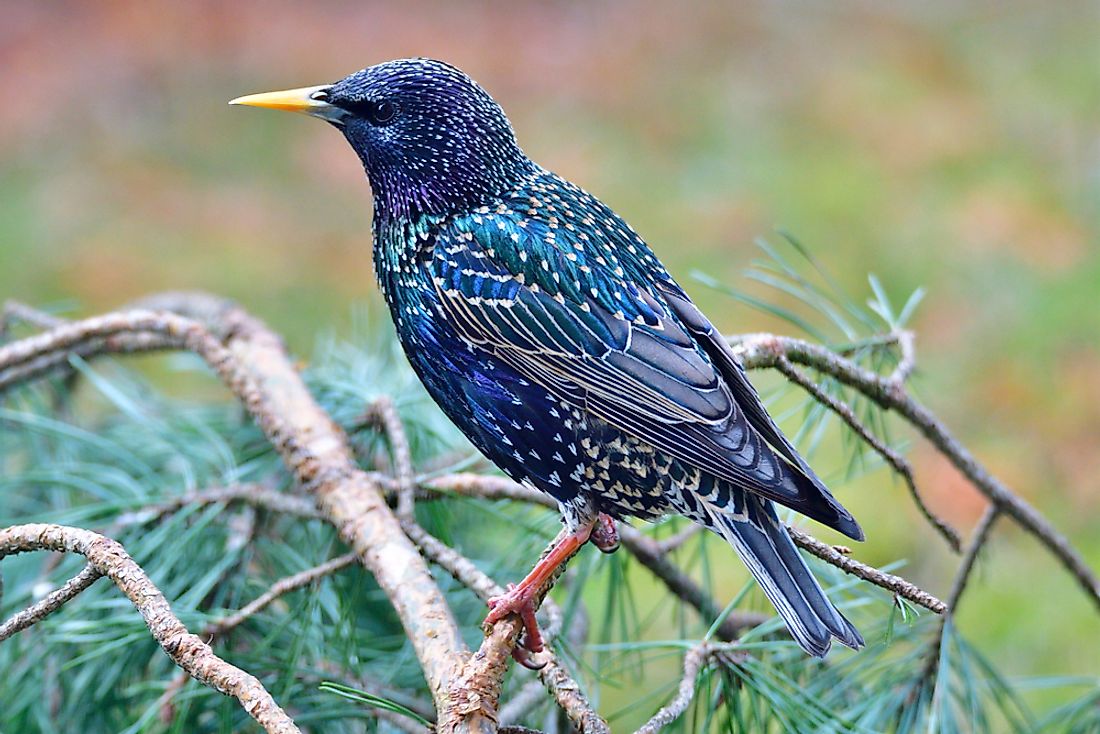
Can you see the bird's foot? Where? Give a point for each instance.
(605, 535)
(519, 600)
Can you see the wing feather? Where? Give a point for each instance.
(642, 364)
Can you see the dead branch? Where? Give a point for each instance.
(255, 495)
(186, 650)
(891, 457)
(220, 627)
(526, 698)
(255, 367)
(253, 364)
(888, 581)
(650, 555)
(283, 586)
(673, 542)
(383, 412)
(643, 548)
(50, 603)
(694, 660)
(478, 684)
(15, 311)
(966, 567)
(764, 350)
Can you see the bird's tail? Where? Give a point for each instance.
(775, 562)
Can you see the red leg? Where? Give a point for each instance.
(520, 599)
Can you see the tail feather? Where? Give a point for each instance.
(771, 556)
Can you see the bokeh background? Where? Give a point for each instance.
(954, 146)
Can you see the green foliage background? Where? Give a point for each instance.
(944, 145)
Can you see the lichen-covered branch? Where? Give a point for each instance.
(186, 650)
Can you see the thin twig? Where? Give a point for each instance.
(764, 350)
(966, 567)
(958, 585)
(186, 650)
(384, 413)
(523, 702)
(50, 603)
(220, 627)
(889, 455)
(283, 586)
(673, 542)
(640, 546)
(256, 495)
(888, 581)
(649, 554)
(694, 660)
(17, 311)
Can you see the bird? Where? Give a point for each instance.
(549, 332)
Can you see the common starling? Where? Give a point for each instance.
(551, 335)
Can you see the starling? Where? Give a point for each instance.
(552, 336)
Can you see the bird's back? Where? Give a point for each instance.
(548, 286)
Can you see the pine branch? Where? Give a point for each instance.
(766, 350)
(888, 581)
(186, 650)
(50, 603)
(891, 457)
(255, 367)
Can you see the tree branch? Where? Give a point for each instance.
(50, 603)
(958, 585)
(888, 581)
(764, 350)
(478, 683)
(694, 660)
(383, 412)
(256, 368)
(891, 457)
(186, 650)
(255, 495)
(283, 586)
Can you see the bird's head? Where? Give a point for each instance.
(431, 140)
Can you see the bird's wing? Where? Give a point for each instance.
(607, 346)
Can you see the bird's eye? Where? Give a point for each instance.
(382, 112)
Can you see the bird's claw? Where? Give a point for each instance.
(605, 535)
(521, 602)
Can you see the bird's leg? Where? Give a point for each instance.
(520, 599)
(605, 535)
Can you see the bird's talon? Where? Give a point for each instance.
(605, 535)
(521, 602)
(524, 657)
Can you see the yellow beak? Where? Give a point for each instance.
(307, 100)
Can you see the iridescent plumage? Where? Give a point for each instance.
(549, 332)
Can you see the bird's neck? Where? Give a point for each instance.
(402, 195)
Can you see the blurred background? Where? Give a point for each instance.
(954, 146)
